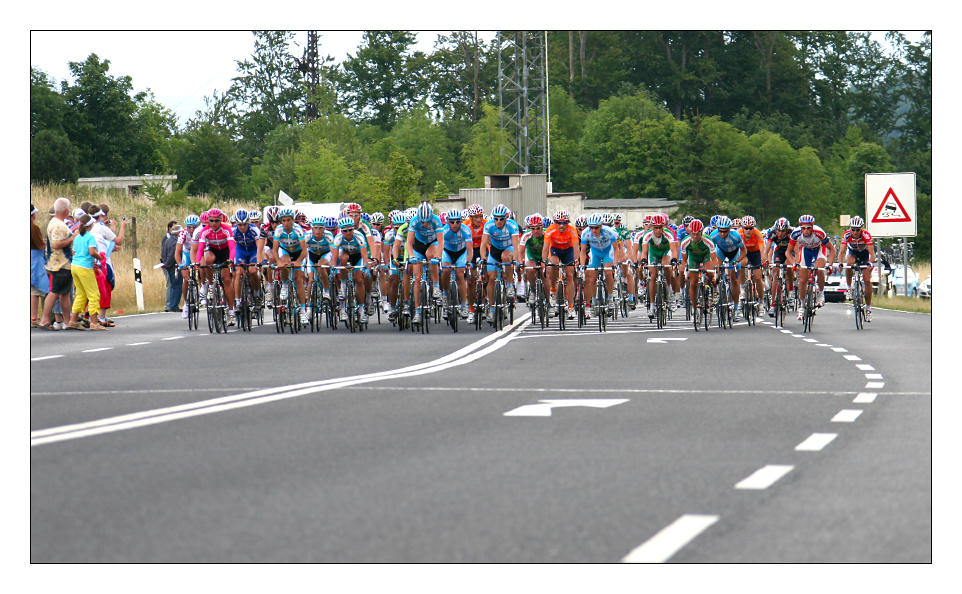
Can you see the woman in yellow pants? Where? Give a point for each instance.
(82, 269)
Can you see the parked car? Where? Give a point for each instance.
(835, 287)
(925, 287)
(898, 281)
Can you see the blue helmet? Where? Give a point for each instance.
(365, 217)
(454, 214)
(425, 211)
(499, 211)
(723, 222)
(286, 212)
(345, 223)
(806, 219)
(330, 222)
(191, 220)
(399, 219)
(595, 219)
(317, 222)
(713, 221)
(241, 216)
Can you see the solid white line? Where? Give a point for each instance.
(865, 367)
(662, 546)
(96, 350)
(853, 358)
(875, 376)
(137, 343)
(764, 477)
(865, 397)
(152, 417)
(815, 442)
(47, 357)
(846, 416)
(172, 338)
(105, 392)
(874, 385)
(839, 350)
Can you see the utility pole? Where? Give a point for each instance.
(523, 99)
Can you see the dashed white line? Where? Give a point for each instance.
(839, 350)
(823, 344)
(96, 350)
(47, 357)
(846, 416)
(798, 336)
(865, 367)
(874, 376)
(811, 340)
(815, 442)
(865, 397)
(764, 477)
(137, 343)
(172, 338)
(853, 357)
(662, 546)
(874, 385)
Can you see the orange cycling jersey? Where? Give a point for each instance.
(752, 238)
(476, 233)
(555, 236)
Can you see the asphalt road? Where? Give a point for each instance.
(755, 444)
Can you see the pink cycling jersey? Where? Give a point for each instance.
(222, 238)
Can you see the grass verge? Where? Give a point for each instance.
(903, 303)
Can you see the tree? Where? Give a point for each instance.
(463, 75)
(52, 157)
(425, 146)
(482, 154)
(320, 175)
(207, 155)
(46, 104)
(402, 186)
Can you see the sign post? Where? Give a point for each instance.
(890, 210)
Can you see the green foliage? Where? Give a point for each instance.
(482, 155)
(402, 185)
(52, 157)
(320, 174)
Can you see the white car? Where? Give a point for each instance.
(925, 287)
(897, 281)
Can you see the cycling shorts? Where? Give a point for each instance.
(861, 258)
(420, 250)
(755, 258)
(242, 256)
(565, 256)
(778, 257)
(459, 258)
(494, 254)
(601, 257)
(185, 259)
(316, 259)
(694, 262)
(811, 255)
(292, 255)
(221, 256)
(656, 257)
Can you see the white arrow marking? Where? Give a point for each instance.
(664, 340)
(544, 409)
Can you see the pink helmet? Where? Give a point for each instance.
(215, 213)
(204, 216)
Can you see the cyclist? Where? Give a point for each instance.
(776, 246)
(602, 241)
(814, 244)
(290, 247)
(562, 245)
(319, 244)
(475, 223)
(182, 254)
(754, 242)
(216, 243)
(424, 243)
(457, 237)
(531, 245)
(696, 251)
(249, 243)
(658, 246)
(350, 247)
(195, 257)
(857, 246)
(499, 244)
(729, 247)
(627, 249)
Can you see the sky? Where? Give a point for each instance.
(183, 67)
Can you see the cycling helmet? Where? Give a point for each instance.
(345, 223)
(330, 222)
(647, 219)
(607, 219)
(453, 215)
(465, 213)
(475, 210)
(270, 213)
(781, 224)
(736, 222)
(241, 216)
(255, 215)
(317, 222)
(285, 213)
(191, 220)
(723, 222)
(581, 221)
(425, 211)
(390, 216)
(204, 216)
(561, 216)
(215, 213)
(409, 213)
(616, 217)
(377, 218)
(499, 211)
(353, 208)
(659, 220)
(687, 219)
(398, 219)
(535, 220)
(594, 220)
(806, 219)
(300, 217)
(748, 221)
(444, 218)
(856, 222)
(695, 226)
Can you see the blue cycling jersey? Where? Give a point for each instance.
(247, 241)
(455, 241)
(502, 238)
(601, 242)
(289, 240)
(731, 242)
(320, 246)
(425, 233)
(354, 245)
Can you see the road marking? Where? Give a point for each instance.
(544, 409)
(608, 391)
(172, 338)
(874, 385)
(815, 442)
(786, 331)
(764, 477)
(823, 344)
(875, 376)
(141, 391)
(467, 354)
(47, 357)
(811, 340)
(839, 350)
(137, 343)
(663, 340)
(670, 539)
(865, 367)
(798, 336)
(865, 397)
(97, 350)
(846, 416)
(853, 358)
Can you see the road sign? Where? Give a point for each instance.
(890, 204)
(544, 409)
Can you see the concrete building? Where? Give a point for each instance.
(133, 184)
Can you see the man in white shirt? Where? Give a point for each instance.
(104, 233)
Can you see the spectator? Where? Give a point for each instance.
(107, 242)
(85, 256)
(39, 283)
(168, 249)
(59, 240)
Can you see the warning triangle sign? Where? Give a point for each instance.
(891, 210)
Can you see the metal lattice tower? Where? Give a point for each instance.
(522, 97)
(310, 67)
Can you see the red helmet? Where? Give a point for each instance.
(695, 226)
(660, 220)
(647, 220)
(354, 207)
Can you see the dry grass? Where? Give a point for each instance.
(151, 228)
(903, 303)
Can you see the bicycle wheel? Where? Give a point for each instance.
(220, 310)
(857, 304)
(706, 308)
(244, 312)
(602, 302)
(454, 300)
(809, 307)
(661, 305)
